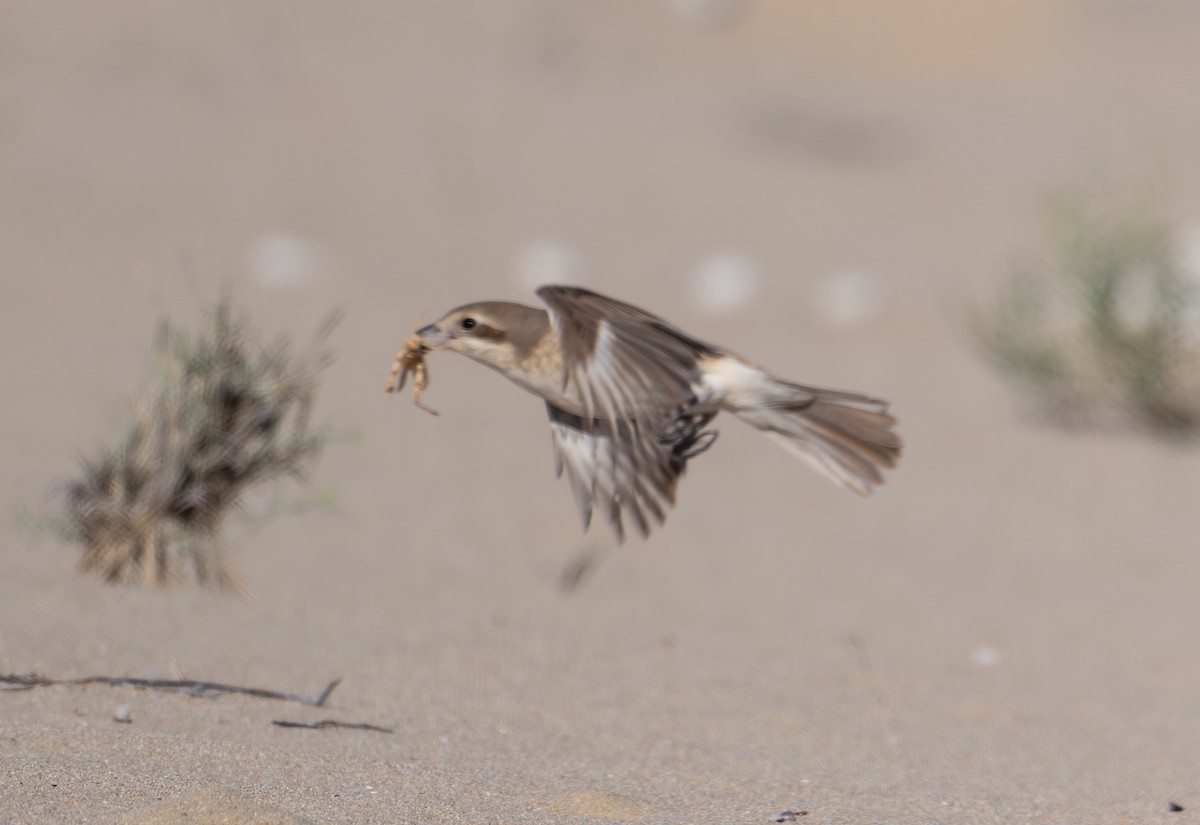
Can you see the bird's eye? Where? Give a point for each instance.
(467, 323)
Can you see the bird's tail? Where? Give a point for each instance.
(847, 436)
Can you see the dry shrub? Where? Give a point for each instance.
(221, 415)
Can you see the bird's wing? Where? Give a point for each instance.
(626, 471)
(634, 375)
(625, 364)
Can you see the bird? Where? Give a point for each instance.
(629, 397)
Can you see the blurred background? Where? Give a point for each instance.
(820, 187)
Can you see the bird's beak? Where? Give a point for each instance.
(433, 337)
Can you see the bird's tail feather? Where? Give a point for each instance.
(847, 436)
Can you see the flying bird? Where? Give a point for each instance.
(629, 396)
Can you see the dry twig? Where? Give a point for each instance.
(330, 723)
(28, 681)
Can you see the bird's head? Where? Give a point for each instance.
(496, 333)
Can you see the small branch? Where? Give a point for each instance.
(28, 681)
(330, 723)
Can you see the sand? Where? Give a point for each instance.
(1005, 633)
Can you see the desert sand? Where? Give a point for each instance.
(1005, 633)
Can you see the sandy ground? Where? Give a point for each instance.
(1006, 633)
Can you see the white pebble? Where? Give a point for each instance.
(986, 656)
(548, 261)
(850, 298)
(725, 281)
(282, 260)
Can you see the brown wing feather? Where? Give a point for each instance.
(626, 362)
(626, 471)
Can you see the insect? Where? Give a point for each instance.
(411, 359)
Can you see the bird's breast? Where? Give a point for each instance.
(541, 372)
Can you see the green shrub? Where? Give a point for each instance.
(220, 416)
(1102, 327)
